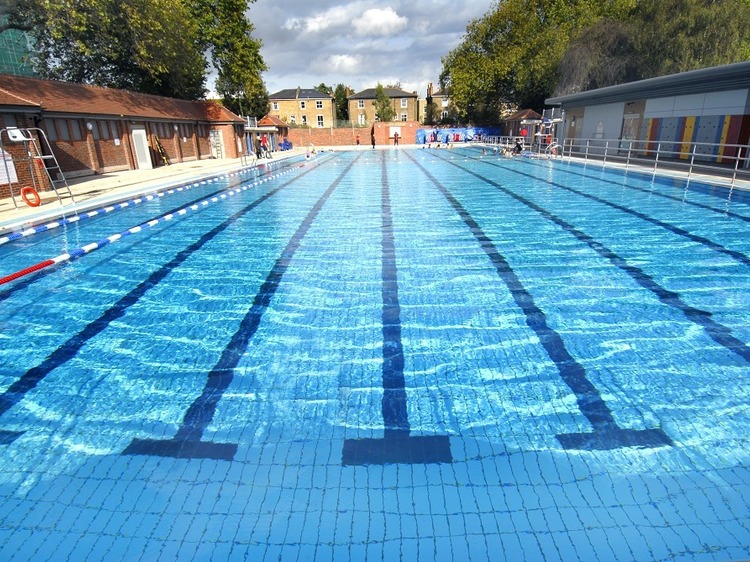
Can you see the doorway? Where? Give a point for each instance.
(140, 144)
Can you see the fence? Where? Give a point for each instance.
(726, 160)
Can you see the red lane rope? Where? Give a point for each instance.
(30, 269)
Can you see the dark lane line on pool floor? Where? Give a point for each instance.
(188, 442)
(607, 434)
(715, 330)
(35, 275)
(397, 444)
(68, 350)
(710, 244)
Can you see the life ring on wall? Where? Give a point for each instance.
(30, 196)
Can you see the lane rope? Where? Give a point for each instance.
(77, 253)
(17, 235)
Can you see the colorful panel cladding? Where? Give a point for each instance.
(675, 137)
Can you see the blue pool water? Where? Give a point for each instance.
(385, 355)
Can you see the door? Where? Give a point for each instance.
(140, 144)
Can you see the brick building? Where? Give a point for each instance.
(95, 130)
(362, 105)
(308, 107)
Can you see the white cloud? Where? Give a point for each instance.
(376, 21)
(344, 64)
(338, 16)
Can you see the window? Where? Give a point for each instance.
(62, 126)
(10, 121)
(320, 121)
(404, 117)
(319, 104)
(293, 119)
(76, 128)
(444, 115)
(444, 102)
(275, 105)
(49, 128)
(115, 132)
(94, 128)
(361, 104)
(304, 119)
(103, 129)
(303, 105)
(404, 103)
(361, 119)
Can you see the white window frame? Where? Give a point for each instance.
(320, 121)
(404, 103)
(304, 119)
(318, 104)
(303, 105)
(275, 105)
(361, 119)
(293, 119)
(404, 117)
(360, 104)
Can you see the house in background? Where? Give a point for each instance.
(306, 107)
(362, 105)
(95, 130)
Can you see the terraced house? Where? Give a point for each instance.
(299, 106)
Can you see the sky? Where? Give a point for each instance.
(359, 43)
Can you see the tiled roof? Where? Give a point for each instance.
(392, 93)
(66, 97)
(273, 121)
(523, 114)
(299, 93)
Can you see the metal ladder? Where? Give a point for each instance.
(40, 159)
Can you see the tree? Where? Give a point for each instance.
(680, 35)
(383, 109)
(342, 103)
(226, 35)
(148, 46)
(522, 51)
(603, 55)
(159, 47)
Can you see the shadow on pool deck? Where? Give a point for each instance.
(102, 189)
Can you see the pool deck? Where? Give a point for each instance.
(102, 189)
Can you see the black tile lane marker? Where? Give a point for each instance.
(71, 347)
(188, 442)
(606, 433)
(739, 257)
(716, 331)
(397, 444)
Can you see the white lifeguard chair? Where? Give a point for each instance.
(40, 159)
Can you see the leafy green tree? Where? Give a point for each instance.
(226, 35)
(522, 51)
(153, 46)
(150, 46)
(342, 103)
(383, 109)
(680, 35)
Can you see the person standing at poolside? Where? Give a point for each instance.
(357, 139)
(372, 136)
(395, 139)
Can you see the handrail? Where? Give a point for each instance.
(717, 159)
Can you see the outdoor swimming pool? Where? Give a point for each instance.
(384, 355)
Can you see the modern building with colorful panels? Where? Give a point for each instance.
(702, 113)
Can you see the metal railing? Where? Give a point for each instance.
(729, 161)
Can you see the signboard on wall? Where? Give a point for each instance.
(7, 169)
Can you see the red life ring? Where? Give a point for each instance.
(30, 196)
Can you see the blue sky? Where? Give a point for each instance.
(359, 43)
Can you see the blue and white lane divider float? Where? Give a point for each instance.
(115, 207)
(74, 254)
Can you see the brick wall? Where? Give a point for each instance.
(28, 172)
(346, 136)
